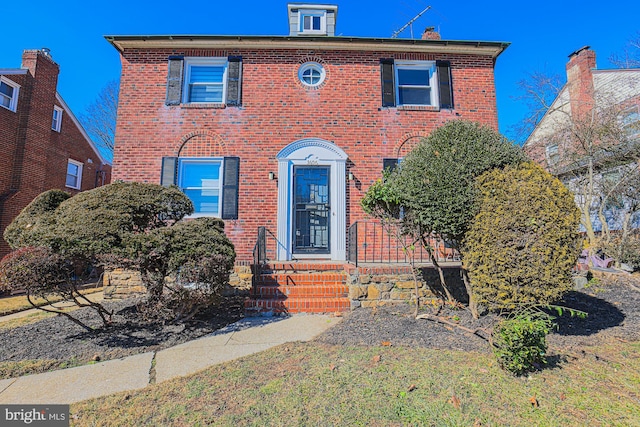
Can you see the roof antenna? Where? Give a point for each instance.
(409, 24)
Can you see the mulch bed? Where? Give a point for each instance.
(57, 338)
(613, 307)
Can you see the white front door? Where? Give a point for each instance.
(311, 201)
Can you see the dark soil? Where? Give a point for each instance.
(57, 338)
(613, 307)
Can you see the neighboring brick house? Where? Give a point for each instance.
(288, 132)
(592, 129)
(42, 144)
(588, 90)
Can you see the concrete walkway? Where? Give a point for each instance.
(239, 339)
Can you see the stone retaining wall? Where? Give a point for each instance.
(378, 286)
(122, 283)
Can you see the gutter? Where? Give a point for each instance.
(121, 43)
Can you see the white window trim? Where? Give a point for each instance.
(551, 160)
(311, 12)
(79, 180)
(57, 125)
(433, 82)
(219, 160)
(312, 65)
(13, 104)
(191, 61)
(633, 125)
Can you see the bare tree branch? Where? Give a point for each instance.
(630, 56)
(100, 117)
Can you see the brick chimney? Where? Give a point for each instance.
(430, 33)
(580, 80)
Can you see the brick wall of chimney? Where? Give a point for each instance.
(580, 81)
(430, 34)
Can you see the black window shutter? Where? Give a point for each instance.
(169, 173)
(444, 82)
(389, 164)
(174, 80)
(388, 84)
(234, 81)
(230, 186)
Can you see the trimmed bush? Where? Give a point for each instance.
(43, 273)
(435, 182)
(520, 343)
(101, 221)
(524, 240)
(34, 225)
(196, 255)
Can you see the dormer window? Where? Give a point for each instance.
(313, 22)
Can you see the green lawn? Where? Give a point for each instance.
(319, 385)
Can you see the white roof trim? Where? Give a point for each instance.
(13, 71)
(81, 128)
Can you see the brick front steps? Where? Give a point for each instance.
(299, 288)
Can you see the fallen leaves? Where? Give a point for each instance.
(455, 401)
(376, 358)
(534, 402)
(386, 343)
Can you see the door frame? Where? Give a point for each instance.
(312, 152)
(295, 250)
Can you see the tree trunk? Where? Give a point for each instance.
(473, 305)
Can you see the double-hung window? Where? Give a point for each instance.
(205, 80)
(74, 174)
(56, 122)
(415, 83)
(201, 181)
(9, 94)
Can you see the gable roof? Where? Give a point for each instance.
(75, 121)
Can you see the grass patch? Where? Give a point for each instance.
(26, 320)
(38, 366)
(18, 303)
(315, 384)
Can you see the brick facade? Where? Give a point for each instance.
(277, 110)
(34, 156)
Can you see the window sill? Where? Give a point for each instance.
(205, 105)
(7, 108)
(417, 108)
(72, 188)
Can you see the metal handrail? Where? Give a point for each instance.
(370, 242)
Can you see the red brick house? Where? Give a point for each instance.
(288, 132)
(42, 144)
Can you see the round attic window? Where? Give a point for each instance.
(311, 74)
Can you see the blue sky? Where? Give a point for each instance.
(542, 33)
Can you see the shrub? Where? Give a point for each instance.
(43, 273)
(524, 240)
(435, 182)
(519, 343)
(627, 251)
(101, 221)
(33, 226)
(197, 256)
